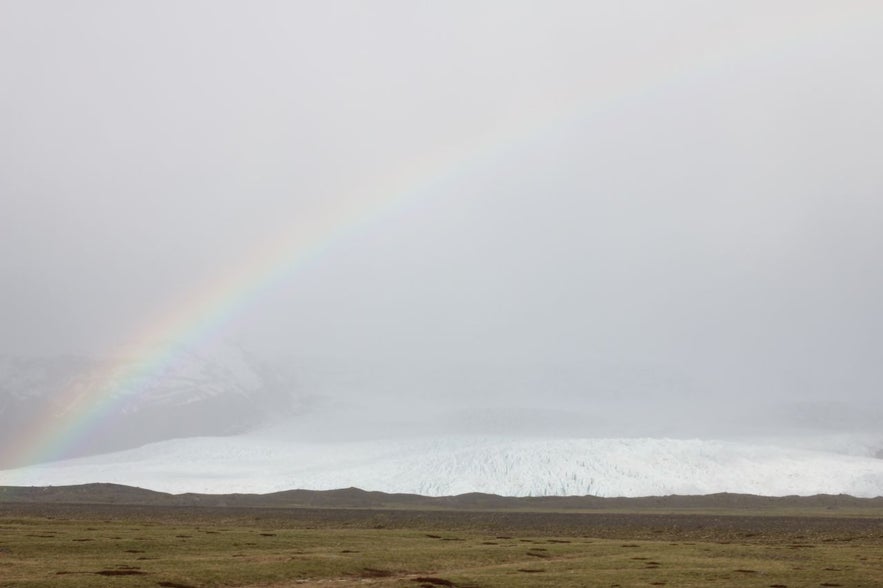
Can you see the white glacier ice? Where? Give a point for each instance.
(267, 461)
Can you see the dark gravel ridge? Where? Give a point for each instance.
(355, 498)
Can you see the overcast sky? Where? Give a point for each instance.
(686, 189)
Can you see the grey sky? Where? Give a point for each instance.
(690, 188)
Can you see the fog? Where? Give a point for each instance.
(648, 214)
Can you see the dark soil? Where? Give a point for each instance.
(795, 532)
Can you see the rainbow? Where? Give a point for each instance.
(201, 315)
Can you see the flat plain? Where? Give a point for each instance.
(77, 545)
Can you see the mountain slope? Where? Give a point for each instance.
(221, 393)
(98, 493)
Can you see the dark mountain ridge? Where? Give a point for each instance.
(102, 493)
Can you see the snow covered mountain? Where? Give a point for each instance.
(271, 460)
(218, 393)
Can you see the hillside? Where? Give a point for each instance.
(356, 498)
(220, 393)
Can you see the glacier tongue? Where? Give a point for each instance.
(436, 466)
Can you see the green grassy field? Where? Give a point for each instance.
(90, 546)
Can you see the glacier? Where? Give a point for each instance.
(270, 460)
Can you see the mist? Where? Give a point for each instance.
(603, 218)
